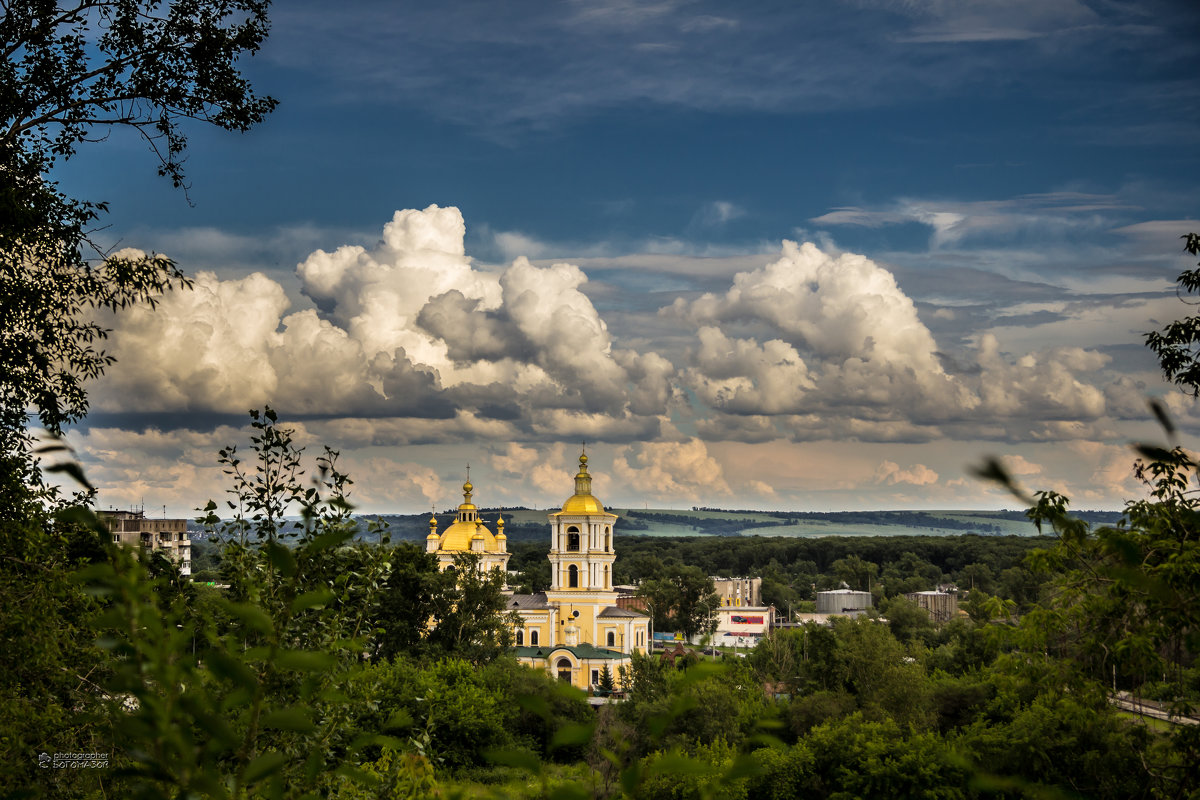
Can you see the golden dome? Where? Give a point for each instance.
(583, 501)
(582, 504)
(467, 527)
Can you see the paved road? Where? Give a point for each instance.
(1148, 708)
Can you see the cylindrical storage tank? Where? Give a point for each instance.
(840, 601)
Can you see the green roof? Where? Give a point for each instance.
(579, 651)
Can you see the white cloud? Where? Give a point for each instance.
(678, 472)
(544, 469)
(890, 474)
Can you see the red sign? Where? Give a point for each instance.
(738, 619)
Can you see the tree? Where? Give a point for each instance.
(1125, 606)
(1177, 345)
(70, 74)
(470, 620)
(682, 599)
(409, 601)
(855, 571)
(606, 680)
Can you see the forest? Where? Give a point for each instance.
(331, 667)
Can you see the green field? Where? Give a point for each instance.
(882, 523)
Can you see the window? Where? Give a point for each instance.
(595, 677)
(520, 638)
(573, 577)
(564, 670)
(573, 539)
(612, 639)
(533, 638)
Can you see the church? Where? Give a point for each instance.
(574, 629)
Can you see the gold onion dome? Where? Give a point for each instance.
(582, 502)
(467, 527)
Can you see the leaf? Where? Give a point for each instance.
(226, 667)
(328, 541)
(679, 764)
(315, 599)
(289, 719)
(304, 660)
(1154, 452)
(521, 759)
(254, 617)
(281, 558)
(400, 720)
(1164, 418)
(263, 766)
(74, 470)
(571, 734)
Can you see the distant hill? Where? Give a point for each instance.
(524, 524)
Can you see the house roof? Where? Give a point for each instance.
(578, 650)
(615, 611)
(527, 601)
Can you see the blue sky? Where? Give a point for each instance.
(992, 193)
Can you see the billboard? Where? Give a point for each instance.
(738, 619)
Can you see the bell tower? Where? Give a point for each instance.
(581, 543)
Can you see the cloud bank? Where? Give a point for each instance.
(409, 342)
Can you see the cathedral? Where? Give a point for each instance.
(574, 629)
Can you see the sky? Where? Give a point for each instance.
(813, 256)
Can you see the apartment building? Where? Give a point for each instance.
(135, 529)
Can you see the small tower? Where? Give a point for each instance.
(431, 541)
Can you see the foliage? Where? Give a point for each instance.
(606, 680)
(683, 599)
(95, 64)
(1177, 344)
(70, 73)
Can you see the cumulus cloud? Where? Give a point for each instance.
(544, 469)
(846, 334)
(672, 471)
(890, 474)
(408, 328)
(410, 343)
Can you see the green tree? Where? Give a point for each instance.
(683, 599)
(854, 571)
(409, 601)
(470, 619)
(1177, 345)
(70, 73)
(606, 680)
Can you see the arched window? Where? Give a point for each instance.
(606, 586)
(572, 577)
(573, 539)
(520, 638)
(564, 670)
(612, 639)
(533, 638)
